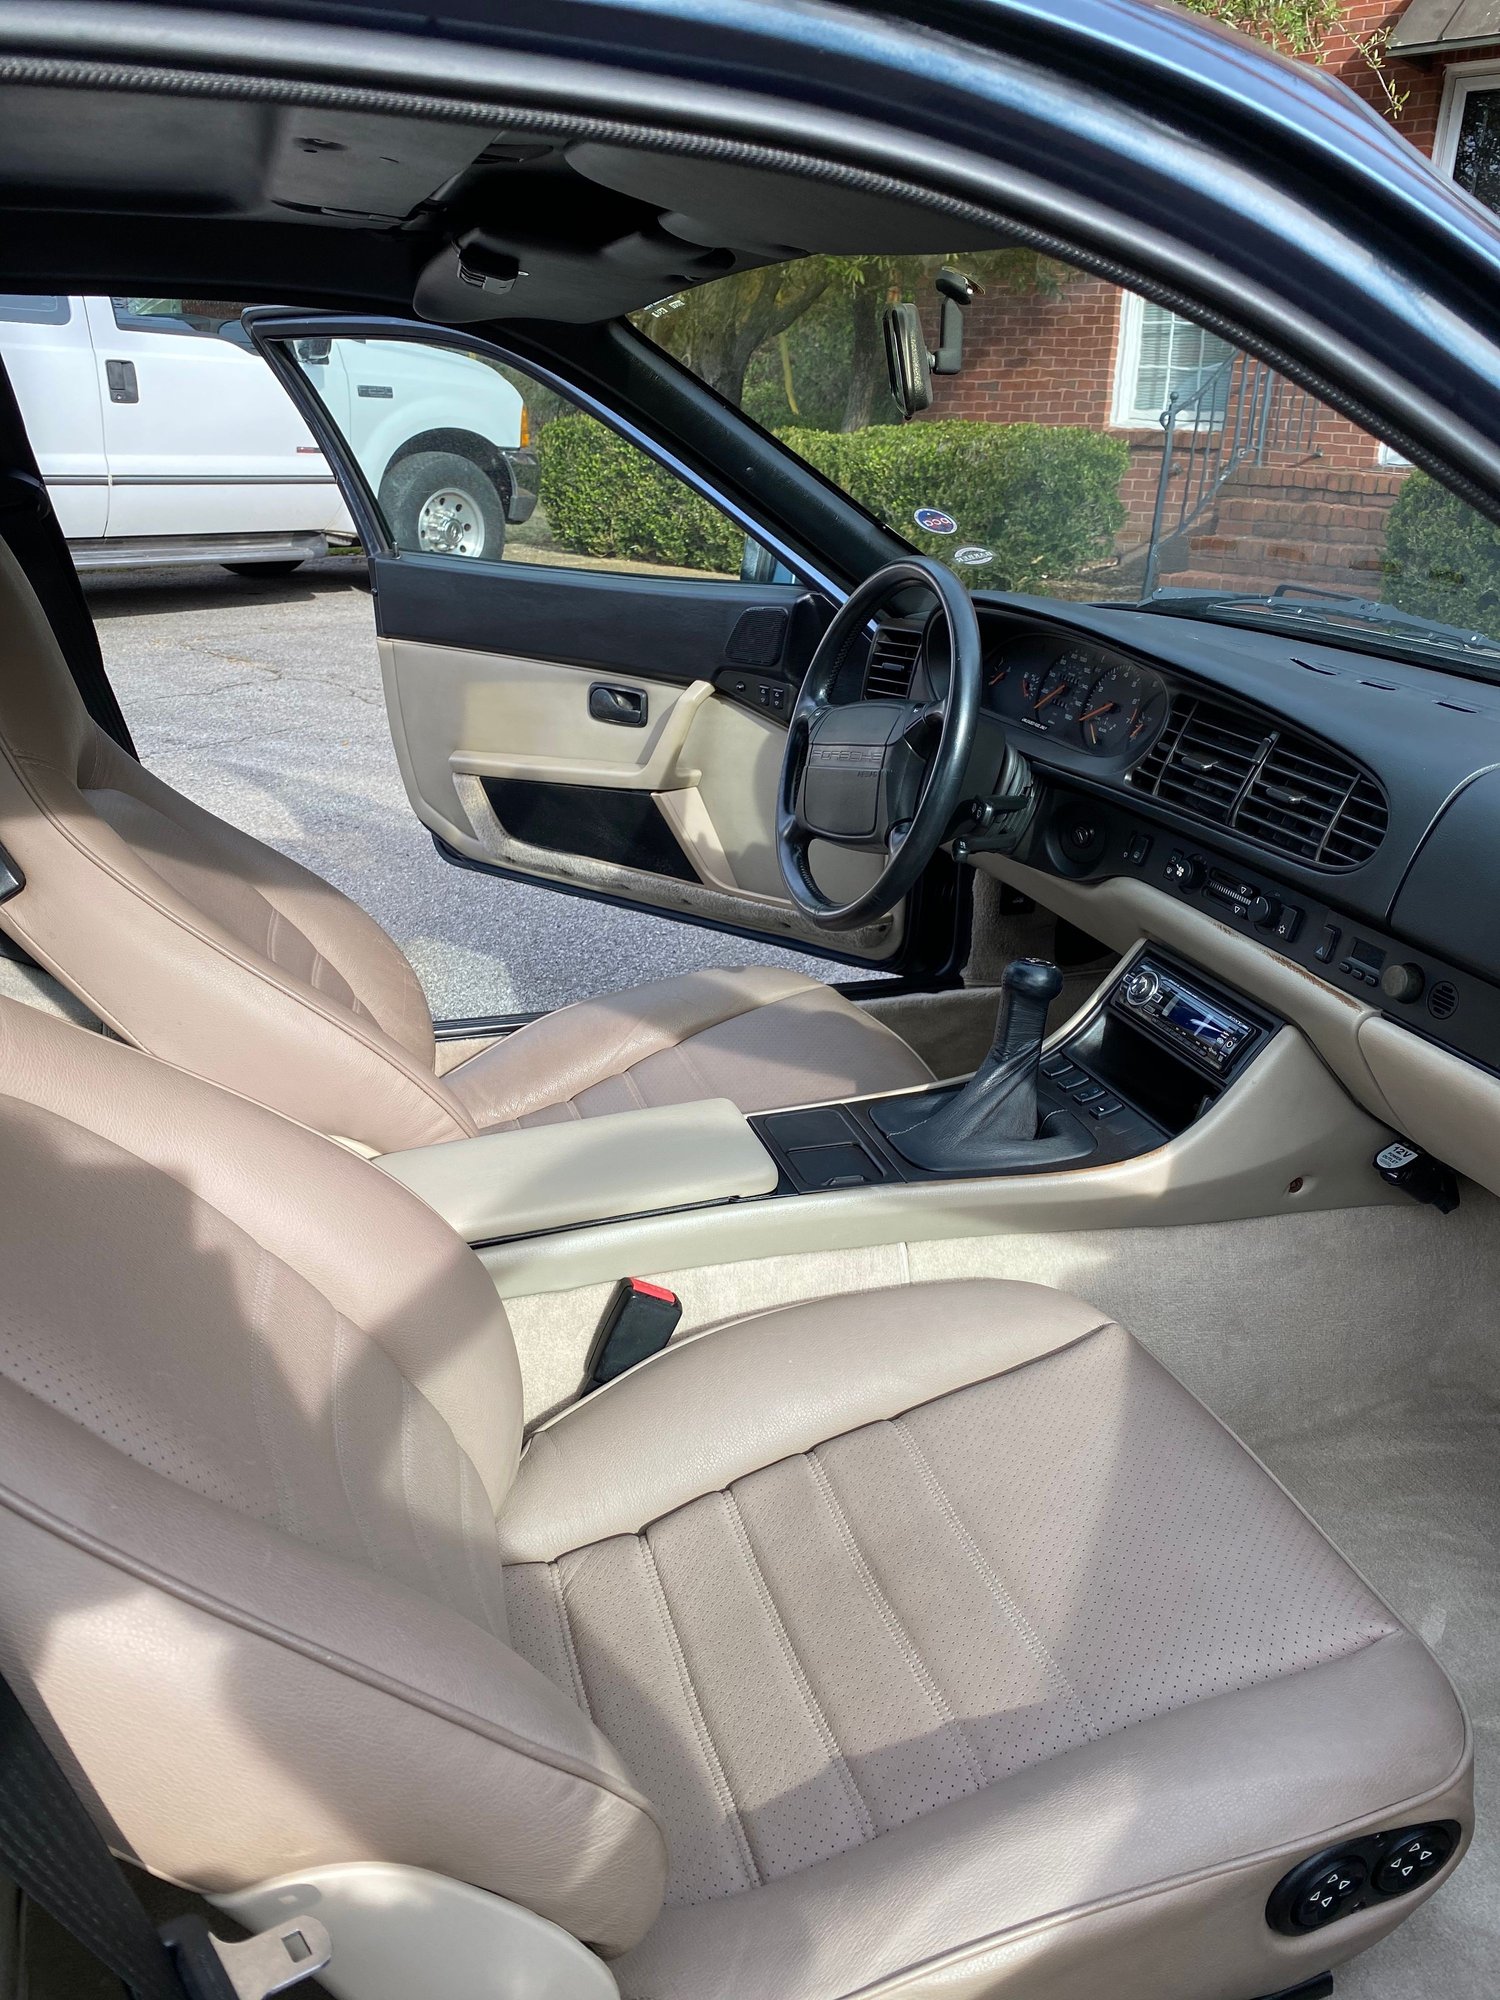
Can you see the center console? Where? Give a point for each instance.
(1162, 1044)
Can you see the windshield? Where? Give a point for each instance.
(1042, 430)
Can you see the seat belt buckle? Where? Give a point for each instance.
(640, 1321)
(254, 1968)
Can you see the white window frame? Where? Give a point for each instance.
(1461, 80)
(1123, 414)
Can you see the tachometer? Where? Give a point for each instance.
(1124, 707)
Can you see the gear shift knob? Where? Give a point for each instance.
(1028, 987)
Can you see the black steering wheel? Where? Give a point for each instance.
(882, 777)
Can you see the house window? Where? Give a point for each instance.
(1160, 354)
(1468, 135)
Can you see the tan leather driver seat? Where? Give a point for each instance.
(923, 1642)
(201, 946)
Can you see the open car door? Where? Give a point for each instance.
(588, 664)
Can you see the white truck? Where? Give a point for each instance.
(164, 438)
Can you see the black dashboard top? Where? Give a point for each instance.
(1092, 693)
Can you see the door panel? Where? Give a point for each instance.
(489, 659)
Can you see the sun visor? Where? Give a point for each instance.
(716, 201)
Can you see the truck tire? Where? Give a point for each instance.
(437, 503)
(264, 569)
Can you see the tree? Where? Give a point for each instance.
(717, 330)
(1301, 27)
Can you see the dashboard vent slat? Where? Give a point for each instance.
(1270, 784)
(893, 661)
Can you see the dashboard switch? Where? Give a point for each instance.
(1186, 870)
(1138, 849)
(1288, 923)
(1327, 944)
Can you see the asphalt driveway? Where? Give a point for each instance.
(261, 700)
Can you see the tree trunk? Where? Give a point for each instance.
(866, 350)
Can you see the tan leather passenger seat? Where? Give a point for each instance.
(928, 1641)
(198, 944)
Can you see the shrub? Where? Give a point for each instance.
(1442, 559)
(605, 497)
(1043, 501)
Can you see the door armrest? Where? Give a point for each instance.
(507, 1184)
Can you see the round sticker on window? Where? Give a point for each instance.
(973, 556)
(933, 521)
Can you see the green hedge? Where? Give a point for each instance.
(1043, 501)
(1442, 559)
(604, 497)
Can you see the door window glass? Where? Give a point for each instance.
(217, 317)
(469, 457)
(35, 308)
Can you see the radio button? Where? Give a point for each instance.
(1141, 987)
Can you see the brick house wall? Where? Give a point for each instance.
(1053, 358)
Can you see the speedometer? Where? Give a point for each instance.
(1061, 692)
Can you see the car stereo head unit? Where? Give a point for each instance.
(1177, 1010)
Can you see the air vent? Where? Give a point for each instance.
(1269, 784)
(1313, 805)
(1202, 760)
(1442, 1000)
(893, 661)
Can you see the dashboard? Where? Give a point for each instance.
(1339, 807)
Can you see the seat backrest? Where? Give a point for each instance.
(190, 939)
(259, 1409)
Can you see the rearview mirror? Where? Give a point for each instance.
(906, 359)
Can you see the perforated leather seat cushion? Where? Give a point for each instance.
(892, 1649)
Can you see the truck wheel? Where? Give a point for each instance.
(442, 505)
(265, 569)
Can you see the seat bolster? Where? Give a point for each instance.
(168, 976)
(758, 1390)
(1151, 1852)
(243, 1702)
(826, 1047)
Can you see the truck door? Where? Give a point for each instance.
(200, 437)
(44, 340)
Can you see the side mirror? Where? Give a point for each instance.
(956, 292)
(906, 359)
(759, 565)
(313, 352)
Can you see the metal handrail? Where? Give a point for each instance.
(1237, 411)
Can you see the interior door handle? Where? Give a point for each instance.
(626, 706)
(123, 387)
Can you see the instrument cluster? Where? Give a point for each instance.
(1079, 695)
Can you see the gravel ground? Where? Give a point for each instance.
(261, 700)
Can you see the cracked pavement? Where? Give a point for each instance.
(261, 700)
